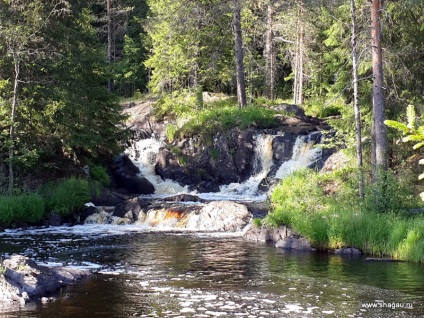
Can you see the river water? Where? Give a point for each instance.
(144, 273)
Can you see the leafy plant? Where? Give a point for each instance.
(66, 196)
(21, 208)
(412, 133)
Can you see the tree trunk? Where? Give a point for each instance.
(12, 124)
(356, 101)
(238, 47)
(269, 54)
(380, 139)
(109, 42)
(301, 44)
(298, 63)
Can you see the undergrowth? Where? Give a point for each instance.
(325, 209)
(219, 115)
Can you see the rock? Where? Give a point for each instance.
(169, 215)
(183, 198)
(267, 234)
(336, 161)
(129, 209)
(121, 221)
(88, 211)
(125, 175)
(99, 218)
(22, 280)
(294, 243)
(377, 259)
(53, 219)
(107, 198)
(348, 251)
(220, 216)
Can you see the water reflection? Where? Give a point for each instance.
(175, 274)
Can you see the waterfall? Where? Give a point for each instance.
(304, 155)
(262, 164)
(143, 154)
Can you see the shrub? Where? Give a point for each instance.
(342, 219)
(66, 196)
(21, 208)
(99, 173)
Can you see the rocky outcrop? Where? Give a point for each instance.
(21, 280)
(282, 237)
(211, 217)
(220, 216)
(125, 176)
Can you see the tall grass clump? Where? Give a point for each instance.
(325, 209)
(21, 208)
(66, 196)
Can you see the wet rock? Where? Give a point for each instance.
(53, 219)
(129, 209)
(125, 175)
(88, 211)
(294, 243)
(108, 198)
(169, 215)
(267, 234)
(183, 198)
(377, 259)
(121, 221)
(220, 216)
(348, 251)
(99, 218)
(21, 280)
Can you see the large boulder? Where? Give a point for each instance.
(220, 216)
(21, 280)
(125, 175)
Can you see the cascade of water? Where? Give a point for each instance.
(262, 165)
(304, 154)
(143, 154)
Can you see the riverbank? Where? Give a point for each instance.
(325, 209)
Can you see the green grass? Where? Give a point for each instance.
(66, 196)
(21, 208)
(343, 220)
(219, 115)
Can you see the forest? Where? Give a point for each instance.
(66, 66)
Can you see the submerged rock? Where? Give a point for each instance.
(22, 280)
(348, 251)
(294, 243)
(267, 234)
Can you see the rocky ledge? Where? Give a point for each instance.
(22, 280)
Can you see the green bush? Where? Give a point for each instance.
(99, 173)
(21, 208)
(66, 196)
(341, 219)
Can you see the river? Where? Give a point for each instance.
(144, 273)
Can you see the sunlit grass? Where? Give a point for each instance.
(343, 220)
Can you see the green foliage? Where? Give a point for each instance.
(257, 222)
(66, 196)
(325, 209)
(100, 174)
(412, 131)
(21, 208)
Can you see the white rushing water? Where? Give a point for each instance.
(304, 154)
(143, 153)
